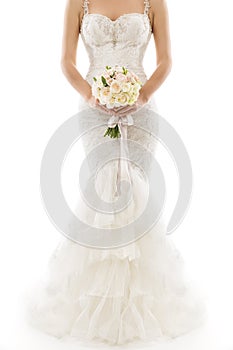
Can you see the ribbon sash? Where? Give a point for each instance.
(123, 166)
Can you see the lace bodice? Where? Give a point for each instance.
(122, 41)
(108, 42)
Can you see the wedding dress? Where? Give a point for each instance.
(137, 291)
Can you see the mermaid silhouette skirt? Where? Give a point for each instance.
(138, 291)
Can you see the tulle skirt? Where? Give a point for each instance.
(135, 292)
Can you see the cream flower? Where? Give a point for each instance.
(95, 90)
(126, 87)
(135, 88)
(106, 91)
(115, 87)
(105, 95)
(121, 77)
(123, 89)
(123, 99)
(111, 102)
(109, 80)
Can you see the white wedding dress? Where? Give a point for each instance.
(137, 291)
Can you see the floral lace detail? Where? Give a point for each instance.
(92, 125)
(122, 41)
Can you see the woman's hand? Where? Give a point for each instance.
(92, 101)
(95, 103)
(119, 111)
(123, 111)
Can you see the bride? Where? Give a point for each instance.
(136, 290)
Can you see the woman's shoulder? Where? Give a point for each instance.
(75, 5)
(157, 5)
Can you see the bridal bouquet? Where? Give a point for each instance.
(116, 87)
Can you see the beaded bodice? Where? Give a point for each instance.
(122, 41)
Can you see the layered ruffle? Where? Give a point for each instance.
(116, 295)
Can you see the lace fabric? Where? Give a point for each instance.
(123, 294)
(122, 41)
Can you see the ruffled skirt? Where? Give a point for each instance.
(116, 295)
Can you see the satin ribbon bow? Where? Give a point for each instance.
(114, 120)
(123, 168)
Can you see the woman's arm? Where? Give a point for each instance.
(161, 35)
(160, 26)
(72, 21)
(70, 38)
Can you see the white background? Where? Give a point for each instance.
(196, 99)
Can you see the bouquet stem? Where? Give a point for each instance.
(113, 132)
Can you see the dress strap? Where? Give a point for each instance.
(85, 6)
(146, 6)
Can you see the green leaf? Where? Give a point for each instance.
(112, 75)
(94, 78)
(124, 70)
(104, 81)
(108, 67)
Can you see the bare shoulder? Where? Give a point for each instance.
(73, 16)
(74, 6)
(160, 16)
(158, 7)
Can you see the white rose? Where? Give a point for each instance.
(109, 80)
(111, 102)
(126, 87)
(121, 77)
(99, 83)
(135, 88)
(123, 99)
(115, 87)
(105, 95)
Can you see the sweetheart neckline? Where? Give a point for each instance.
(118, 18)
